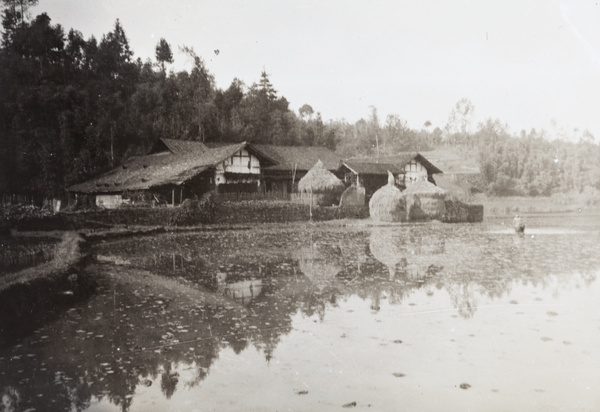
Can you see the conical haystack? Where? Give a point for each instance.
(321, 181)
(427, 200)
(388, 204)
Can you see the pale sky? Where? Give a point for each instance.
(531, 64)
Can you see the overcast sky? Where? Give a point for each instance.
(531, 64)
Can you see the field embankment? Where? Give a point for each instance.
(68, 252)
(557, 204)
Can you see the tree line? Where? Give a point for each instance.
(71, 108)
(74, 107)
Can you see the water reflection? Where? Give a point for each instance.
(163, 309)
(317, 265)
(243, 291)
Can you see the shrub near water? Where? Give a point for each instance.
(192, 212)
(10, 214)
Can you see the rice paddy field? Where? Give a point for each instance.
(320, 317)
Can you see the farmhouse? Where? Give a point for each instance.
(372, 173)
(175, 170)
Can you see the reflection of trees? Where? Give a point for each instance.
(463, 298)
(139, 329)
(168, 381)
(143, 326)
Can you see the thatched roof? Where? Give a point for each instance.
(364, 168)
(159, 169)
(319, 180)
(382, 164)
(424, 188)
(177, 146)
(299, 158)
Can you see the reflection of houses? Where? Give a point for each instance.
(175, 170)
(243, 291)
(372, 173)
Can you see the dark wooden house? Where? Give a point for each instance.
(175, 170)
(372, 173)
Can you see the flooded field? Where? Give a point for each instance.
(320, 317)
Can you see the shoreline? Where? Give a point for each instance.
(71, 250)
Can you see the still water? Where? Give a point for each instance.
(317, 318)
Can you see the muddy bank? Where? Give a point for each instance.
(41, 291)
(67, 253)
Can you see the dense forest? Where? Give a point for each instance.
(71, 108)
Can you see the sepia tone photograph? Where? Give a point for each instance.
(299, 205)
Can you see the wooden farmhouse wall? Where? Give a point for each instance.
(240, 172)
(414, 171)
(109, 201)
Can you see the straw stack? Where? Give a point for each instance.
(426, 201)
(319, 180)
(387, 204)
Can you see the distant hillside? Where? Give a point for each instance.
(453, 161)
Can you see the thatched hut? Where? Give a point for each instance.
(323, 183)
(388, 204)
(425, 200)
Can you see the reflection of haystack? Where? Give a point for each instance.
(388, 204)
(386, 246)
(425, 200)
(316, 266)
(319, 180)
